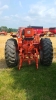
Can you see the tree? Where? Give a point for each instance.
(10, 30)
(3, 28)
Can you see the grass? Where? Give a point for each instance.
(28, 83)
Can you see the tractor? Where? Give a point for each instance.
(3, 33)
(53, 31)
(28, 46)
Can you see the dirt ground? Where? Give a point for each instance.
(3, 39)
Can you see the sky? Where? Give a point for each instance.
(22, 13)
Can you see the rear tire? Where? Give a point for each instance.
(11, 53)
(46, 52)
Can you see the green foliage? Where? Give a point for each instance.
(4, 28)
(28, 83)
(10, 30)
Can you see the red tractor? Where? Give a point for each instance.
(3, 33)
(29, 46)
(53, 31)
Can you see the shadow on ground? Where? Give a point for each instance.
(2, 64)
(32, 84)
